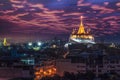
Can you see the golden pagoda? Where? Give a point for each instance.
(5, 43)
(80, 35)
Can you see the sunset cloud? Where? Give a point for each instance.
(59, 17)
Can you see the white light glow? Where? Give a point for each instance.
(83, 41)
(39, 43)
(30, 43)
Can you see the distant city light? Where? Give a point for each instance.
(39, 43)
(30, 43)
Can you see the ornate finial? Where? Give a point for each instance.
(81, 20)
(81, 17)
(81, 28)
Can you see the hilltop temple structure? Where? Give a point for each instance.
(81, 35)
(5, 43)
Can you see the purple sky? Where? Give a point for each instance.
(44, 19)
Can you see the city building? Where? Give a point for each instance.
(96, 61)
(45, 69)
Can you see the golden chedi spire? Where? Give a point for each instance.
(5, 42)
(81, 29)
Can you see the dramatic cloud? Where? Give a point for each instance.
(48, 18)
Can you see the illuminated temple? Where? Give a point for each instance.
(81, 35)
(5, 43)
